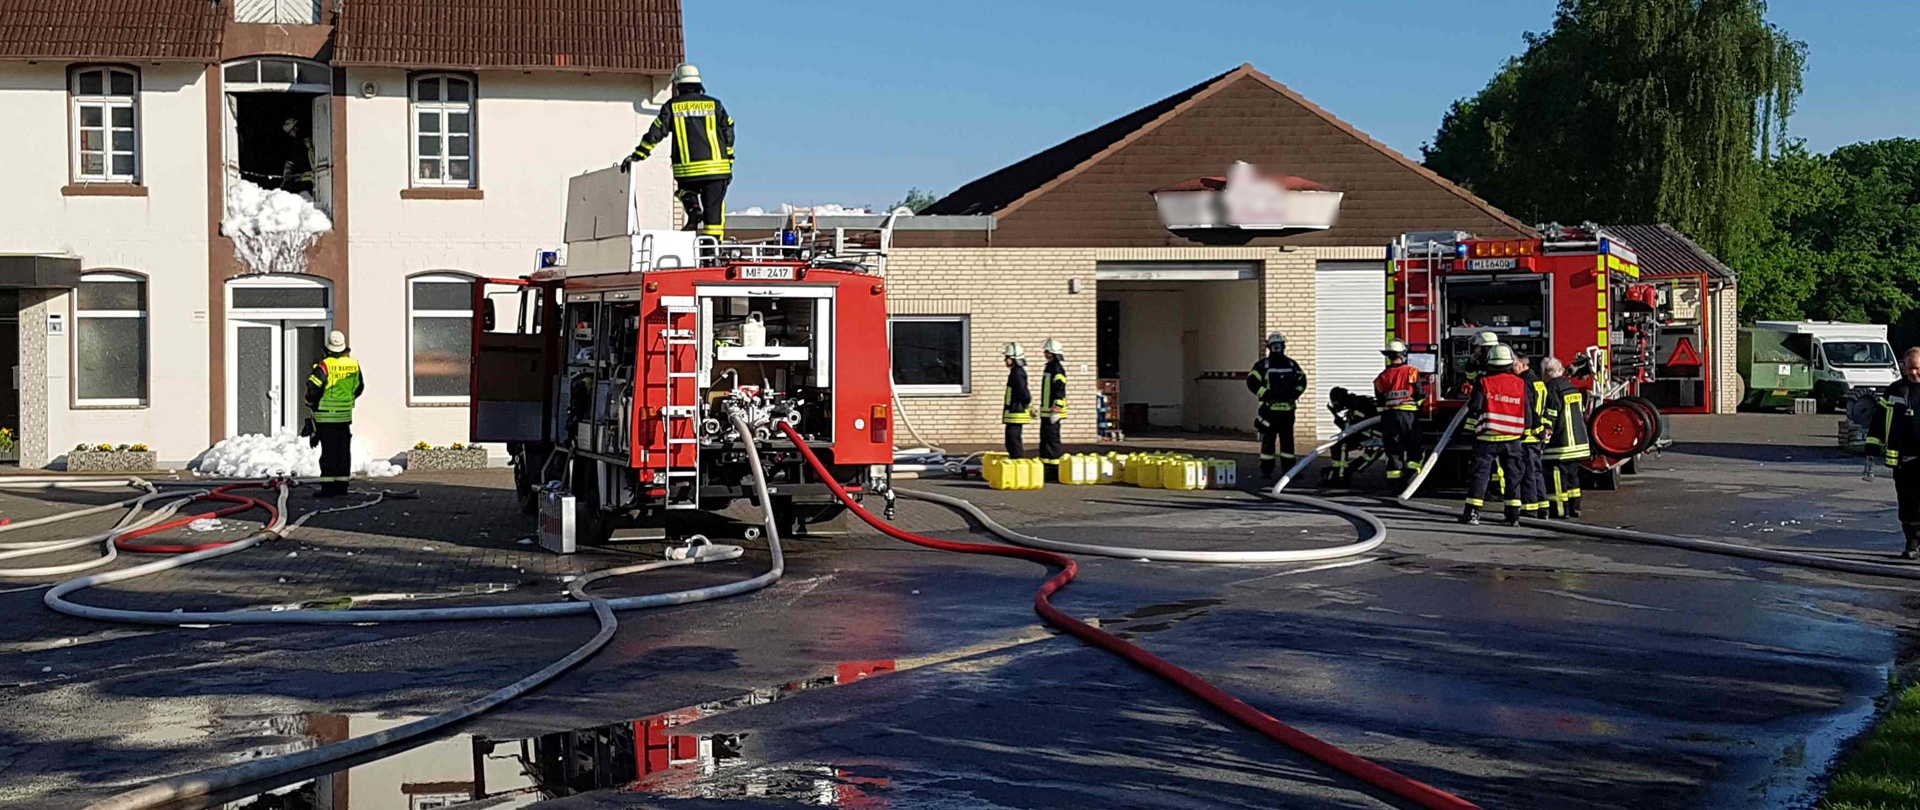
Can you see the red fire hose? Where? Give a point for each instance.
(223, 494)
(1420, 793)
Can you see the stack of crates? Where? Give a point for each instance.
(1002, 472)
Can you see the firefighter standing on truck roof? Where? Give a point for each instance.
(1900, 405)
(1277, 382)
(1533, 484)
(332, 386)
(702, 150)
(1017, 411)
(1399, 394)
(1053, 403)
(1499, 408)
(1565, 423)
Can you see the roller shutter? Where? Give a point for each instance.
(1351, 325)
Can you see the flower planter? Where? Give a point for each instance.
(447, 458)
(110, 461)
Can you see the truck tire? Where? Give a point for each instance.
(1601, 480)
(526, 491)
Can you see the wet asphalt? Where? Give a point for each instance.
(1516, 668)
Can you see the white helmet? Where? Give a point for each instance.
(1276, 337)
(336, 341)
(1014, 351)
(686, 73)
(1485, 340)
(1500, 356)
(1394, 347)
(1054, 348)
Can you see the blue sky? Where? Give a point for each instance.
(853, 102)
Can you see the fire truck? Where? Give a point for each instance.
(614, 371)
(1573, 293)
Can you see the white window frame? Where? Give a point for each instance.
(106, 102)
(442, 110)
(412, 313)
(965, 387)
(80, 315)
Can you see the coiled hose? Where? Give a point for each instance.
(1420, 793)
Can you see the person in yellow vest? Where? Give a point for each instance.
(1017, 411)
(1053, 406)
(333, 384)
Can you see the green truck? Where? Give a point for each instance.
(1776, 366)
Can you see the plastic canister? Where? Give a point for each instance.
(753, 333)
(1150, 472)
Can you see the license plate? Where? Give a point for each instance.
(765, 273)
(1492, 264)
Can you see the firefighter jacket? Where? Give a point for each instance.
(1537, 403)
(1499, 408)
(1398, 388)
(1565, 422)
(1899, 405)
(702, 133)
(1053, 391)
(1018, 408)
(332, 386)
(1277, 381)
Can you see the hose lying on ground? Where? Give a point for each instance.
(233, 776)
(1367, 771)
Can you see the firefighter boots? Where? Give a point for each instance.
(1913, 541)
(1573, 508)
(1513, 516)
(1470, 516)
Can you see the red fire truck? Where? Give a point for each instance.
(613, 373)
(1573, 294)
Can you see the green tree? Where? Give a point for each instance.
(915, 201)
(1631, 111)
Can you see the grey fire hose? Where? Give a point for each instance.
(217, 779)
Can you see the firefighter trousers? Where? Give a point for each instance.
(1400, 437)
(1274, 425)
(1533, 487)
(336, 455)
(1505, 457)
(1564, 479)
(705, 199)
(1050, 448)
(1016, 440)
(1906, 487)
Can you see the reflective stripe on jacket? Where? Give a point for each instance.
(1566, 417)
(1277, 381)
(1018, 407)
(1537, 403)
(1398, 388)
(338, 378)
(702, 133)
(1053, 390)
(1500, 402)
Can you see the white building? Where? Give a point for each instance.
(439, 141)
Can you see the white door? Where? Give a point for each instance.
(267, 368)
(1351, 321)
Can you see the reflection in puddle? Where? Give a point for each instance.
(638, 756)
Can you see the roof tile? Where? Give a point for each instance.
(630, 36)
(147, 30)
(1664, 251)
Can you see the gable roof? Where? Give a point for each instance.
(144, 30)
(1665, 251)
(613, 36)
(996, 191)
(1011, 188)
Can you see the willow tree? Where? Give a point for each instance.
(1631, 111)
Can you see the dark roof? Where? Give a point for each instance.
(999, 189)
(1667, 252)
(1218, 182)
(615, 36)
(145, 30)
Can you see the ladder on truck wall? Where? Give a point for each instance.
(680, 415)
(1418, 259)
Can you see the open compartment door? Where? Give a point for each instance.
(515, 361)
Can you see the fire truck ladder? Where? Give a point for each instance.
(680, 417)
(1418, 260)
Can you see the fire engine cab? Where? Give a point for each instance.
(1573, 294)
(613, 373)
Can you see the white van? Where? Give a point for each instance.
(1846, 357)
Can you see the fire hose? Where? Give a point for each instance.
(1420, 793)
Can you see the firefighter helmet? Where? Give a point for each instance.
(1500, 356)
(1014, 351)
(1394, 347)
(1276, 339)
(1054, 348)
(686, 73)
(1486, 340)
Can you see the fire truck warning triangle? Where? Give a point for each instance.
(1684, 354)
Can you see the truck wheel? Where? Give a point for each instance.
(526, 491)
(784, 515)
(1604, 481)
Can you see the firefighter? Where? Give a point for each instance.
(1477, 360)
(1901, 402)
(1277, 381)
(1533, 483)
(702, 133)
(1017, 412)
(1565, 423)
(1398, 393)
(1053, 403)
(333, 384)
(1498, 407)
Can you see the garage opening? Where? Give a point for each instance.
(1175, 343)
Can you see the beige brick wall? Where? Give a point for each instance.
(1288, 306)
(1009, 295)
(1725, 349)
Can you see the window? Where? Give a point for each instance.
(105, 125)
(440, 308)
(443, 131)
(110, 339)
(279, 12)
(930, 354)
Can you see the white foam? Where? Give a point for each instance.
(272, 230)
(259, 456)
